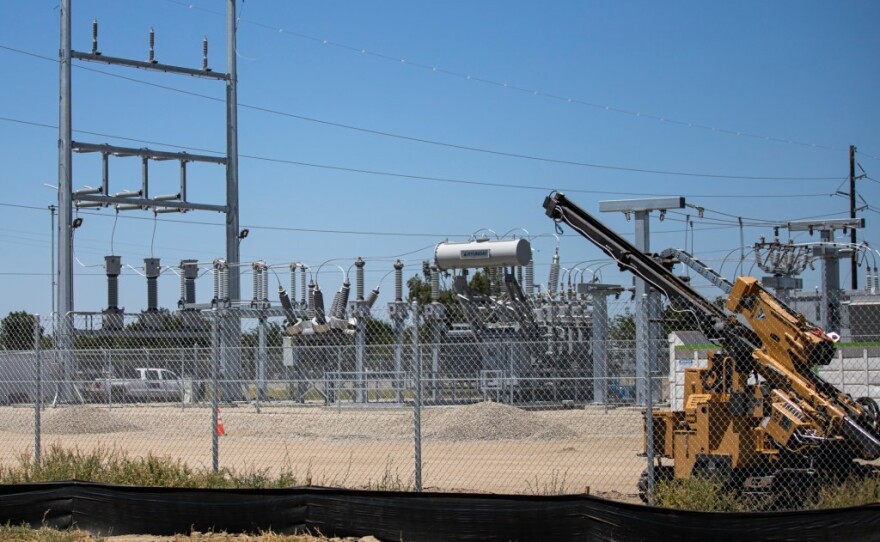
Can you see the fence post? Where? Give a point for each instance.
(38, 384)
(398, 317)
(599, 350)
(108, 368)
(360, 340)
(261, 393)
(182, 381)
(339, 380)
(417, 400)
(215, 391)
(436, 334)
(197, 373)
(509, 379)
(646, 361)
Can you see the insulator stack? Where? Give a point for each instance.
(205, 53)
(256, 283)
(372, 297)
(310, 308)
(216, 283)
(490, 276)
(261, 282)
(152, 269)
(876, 281)
(340, 300)
(113, 267)
(190, 272)
(868, 283)
(435, 284)
(302, 285)
(112, 292)
(398, 281)
(519, 274)
(152, 57)
(293, 281)
(95, 37)
(359, 279)
(554, 275)
(530, 277)
(221, 280)
(182, 289)
(318, 305)
(224, 283)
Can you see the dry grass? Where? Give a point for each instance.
(114, 466)
(709, 495)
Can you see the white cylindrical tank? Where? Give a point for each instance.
(476, 254)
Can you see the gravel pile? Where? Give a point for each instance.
(491, 421)
(85, 420)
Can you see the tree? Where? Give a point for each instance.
(379, 331)
(420, 290)
(274, 336)
(17, 331)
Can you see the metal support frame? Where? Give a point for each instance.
(97, 198)
(599, 350)
(154, 66)
(65, 208)
(830, 255)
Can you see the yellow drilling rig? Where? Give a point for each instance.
(758, 416)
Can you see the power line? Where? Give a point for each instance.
(259, 227)
(760, 222)
(407, 62)
(19, 206)
(482, 150)
(407, 175)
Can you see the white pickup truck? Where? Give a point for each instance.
(137, 384)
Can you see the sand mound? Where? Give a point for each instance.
(85, 420)
(491, 421)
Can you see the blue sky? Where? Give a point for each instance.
(745, 89)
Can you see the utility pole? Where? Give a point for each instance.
(648, 317)
(852, 214)
(53, 273)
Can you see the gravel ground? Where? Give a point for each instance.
(484, 447)
(479, 422)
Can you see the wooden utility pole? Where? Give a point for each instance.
(852, 214)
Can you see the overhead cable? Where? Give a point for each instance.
(411, 176)
(406, 61)
(482, 150)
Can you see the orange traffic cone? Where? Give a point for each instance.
(220, 430)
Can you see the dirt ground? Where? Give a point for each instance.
(486, 447)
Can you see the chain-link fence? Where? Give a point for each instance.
(548, 401)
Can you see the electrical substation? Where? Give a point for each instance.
(509, 336)
(588, 363)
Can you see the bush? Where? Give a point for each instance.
(710, 495)
(112, 466)
(855, 491)
(697, 494)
